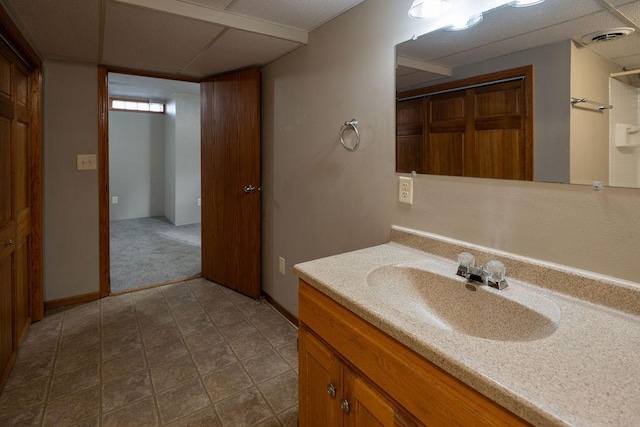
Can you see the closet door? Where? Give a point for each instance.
(15, 201)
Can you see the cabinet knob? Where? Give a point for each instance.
(331, 390)
(344, 404)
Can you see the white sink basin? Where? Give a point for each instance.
(511, 314)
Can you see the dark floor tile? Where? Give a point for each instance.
(193, 323)
(181, 401)
(72, 408)
(282, 391)
(270, 422)
(249, 345)
(213, 358)
(117, 345)
(166, 352)
(29, 367)
(116, 303)
(290, 353)
(71, 360)
(215, 305)
(124, 390)
(267, 319)
(289, 418)
(173, 373)
(226, 381)
(76, 380)
(280, 334)
(225, 315)
(140, 414)
(81, 325)
(77, 343)
(265, 366)
(92, 422)
(29, 418)
(243, 409)
(160, 334)
(237, 329)
(204, 418)
(123, 365)
(204, 338)
(23, 397)
(253, 307)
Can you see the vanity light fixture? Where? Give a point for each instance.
(524, 3)
(464, 22)
(429, 9)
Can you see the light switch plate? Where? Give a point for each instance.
(405, 190)
(86, 162)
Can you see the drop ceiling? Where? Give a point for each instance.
(190, 38)
(508, 29)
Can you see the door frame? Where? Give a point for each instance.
(21, 47)
(103, 163)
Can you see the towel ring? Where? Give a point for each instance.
(351, 124)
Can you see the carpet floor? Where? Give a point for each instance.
(149, 251)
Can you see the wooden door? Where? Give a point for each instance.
(15, 202)
(410, 148)
(445, 134)
(231, 181)
(498, 146)
(320, 383)
(369, 408)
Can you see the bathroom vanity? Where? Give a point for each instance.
(389, 335)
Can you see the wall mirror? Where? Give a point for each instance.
(576, 137)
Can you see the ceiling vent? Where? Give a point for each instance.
(607, 35)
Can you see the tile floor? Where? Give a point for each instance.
(188, 354)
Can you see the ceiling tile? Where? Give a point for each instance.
(215, 4)
(631, 11)
(141, 38)
(62, 29)
(239, 49)
(305, 14)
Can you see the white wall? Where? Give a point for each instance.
(170, 161)
(136, 164)
(183, 159)
(70, 196)
(319, 200)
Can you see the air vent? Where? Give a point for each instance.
(607, 35)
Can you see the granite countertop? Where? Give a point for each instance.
(585, 373)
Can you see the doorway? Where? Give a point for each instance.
(154, 181)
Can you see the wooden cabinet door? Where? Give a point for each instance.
(320, 383)
(367, 407)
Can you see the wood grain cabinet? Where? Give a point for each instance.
(353, 374)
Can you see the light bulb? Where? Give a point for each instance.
(429, 9)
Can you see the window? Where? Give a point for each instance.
(143, 105)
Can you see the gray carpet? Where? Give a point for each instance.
(148, 251)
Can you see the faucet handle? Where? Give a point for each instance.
(466, 261)
(495, 274)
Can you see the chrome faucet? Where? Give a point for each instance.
(492, 275)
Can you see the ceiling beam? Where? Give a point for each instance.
(220, 17)
(423, 66)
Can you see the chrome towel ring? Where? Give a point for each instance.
(351, 124)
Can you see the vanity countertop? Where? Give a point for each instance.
(586, 373)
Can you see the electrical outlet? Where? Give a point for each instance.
(114, 200)
(405, 190)
(86, 162)
(281, 265)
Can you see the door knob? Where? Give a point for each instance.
(249, 189)
(9, 242)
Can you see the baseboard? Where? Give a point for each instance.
(71, 300)
(290, 317)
